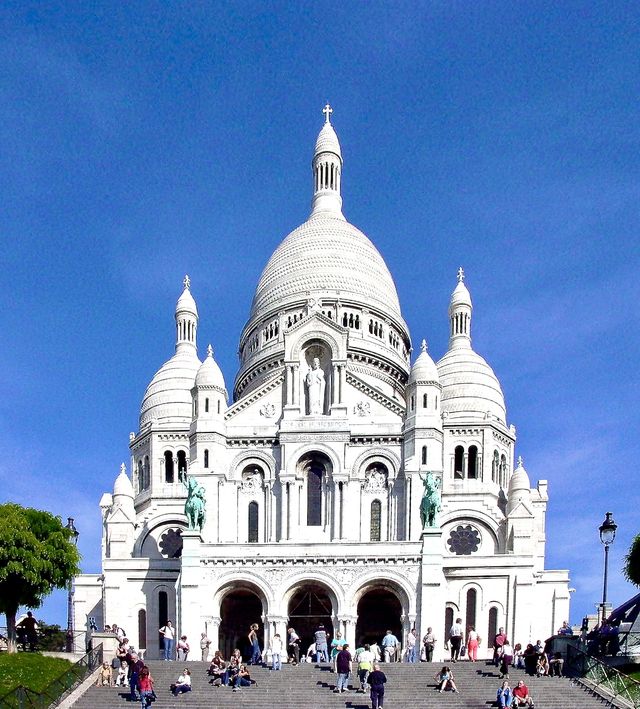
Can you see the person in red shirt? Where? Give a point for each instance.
(521, 696)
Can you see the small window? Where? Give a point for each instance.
(471, 608)
(458, 463)
(206, 406)
(424, 455)
(376, 518)
(472, 462)
(206, 459)
(493, 623)
(252, 536)
(413, 402)
(424, 401)
(168, 467)
(218, 405)
(182, 464)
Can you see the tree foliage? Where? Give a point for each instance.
(631, 568)
(37, 554)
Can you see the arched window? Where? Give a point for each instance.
(458, 463)
(163, 614)
(252, 536)
(182, 464)
(495, 467)
(206, 458)
(218, 405)
(424, 455)
(314, 495)
(168, 466)
(140, 476)
(142, 628)
(492, 630)
(472, 462)
(424, 401)
(413, 402)
(448, 621)
(376, 521)
(503, 470)
(206, 406)
(471, 608)
(147, 473)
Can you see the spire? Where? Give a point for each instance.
(327, 170)
(423, 346)
(460, 309)
(186, 318)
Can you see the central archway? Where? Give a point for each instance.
(238, 610)
(379, 610)
(310, 605)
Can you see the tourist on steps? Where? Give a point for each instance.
(428, 643)
(521, 696)
(365, 665)
(390, 646)
(343, 669)
(455, 639)
(145, 687)
(256, 654)
(293, 645)
(276, 652)
(377, 679)
(183, 683)
(168, 633)
(444, 679)
(322, 653)
(504, 696)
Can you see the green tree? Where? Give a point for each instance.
(37, 554)
(631, 568)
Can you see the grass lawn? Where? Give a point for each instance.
(30, 670)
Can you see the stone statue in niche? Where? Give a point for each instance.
(315, 384)
(376, 480)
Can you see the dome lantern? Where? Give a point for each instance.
(460, 309)
(327, 170)
(186, 318)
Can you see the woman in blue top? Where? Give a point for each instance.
(505, 696)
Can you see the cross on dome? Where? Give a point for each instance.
(123, 469)
(460, 274)
(209, 351)
(423, 346)
(327, 110)
(520, 464)
(187, 282)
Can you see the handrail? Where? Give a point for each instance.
(25, 698)
(603, 679)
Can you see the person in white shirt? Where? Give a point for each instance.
(183, 684)
(365, 663)
(455, 639)
(411, 646)
(168, 633)
(276, 652)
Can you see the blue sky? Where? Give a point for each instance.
(142, 141)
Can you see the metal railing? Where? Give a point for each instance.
(24, 698)
(599, 677)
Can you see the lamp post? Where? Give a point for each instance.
(71, 527)
(607, 536)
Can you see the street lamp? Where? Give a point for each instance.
(607, 537)
(71, 527)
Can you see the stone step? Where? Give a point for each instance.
(309, 686)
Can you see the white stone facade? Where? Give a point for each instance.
(312, 474)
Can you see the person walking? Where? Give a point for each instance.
(322, 653)
(343, 668)
(293, 644)
(411, 645)
(389, 646)
(256, 654)
(498, 642)
(135, 667)
(365, 665)
(145, 685)
(276, 652)
(376, 680)
(429, 642)
(473, 640)
(455, 639)
(183, 649)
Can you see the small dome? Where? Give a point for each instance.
(460, 295)
(469, 386)
(327, 141)
(519, 480)
(122, 485)
(168, 396)
(519, 487)
(210, 374)
(424, 368)
(186, 303)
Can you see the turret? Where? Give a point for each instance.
(186, 318)
(209, 397)
(120, 518)
(327, 171)
(460, 315)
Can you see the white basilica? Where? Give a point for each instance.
(313, 469)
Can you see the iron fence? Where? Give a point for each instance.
(603, 679)
(24, 698)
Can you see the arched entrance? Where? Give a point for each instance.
(310, 606)
(379, 610)
(238, 610)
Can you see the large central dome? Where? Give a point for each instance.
(326, 256)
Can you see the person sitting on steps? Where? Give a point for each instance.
(183, 684)
(444, 678)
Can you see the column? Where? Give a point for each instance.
(284, 507)
(335, 385)
(214, 632)
(296, 385)
(349, 630)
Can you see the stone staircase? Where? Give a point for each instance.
(309, 686)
